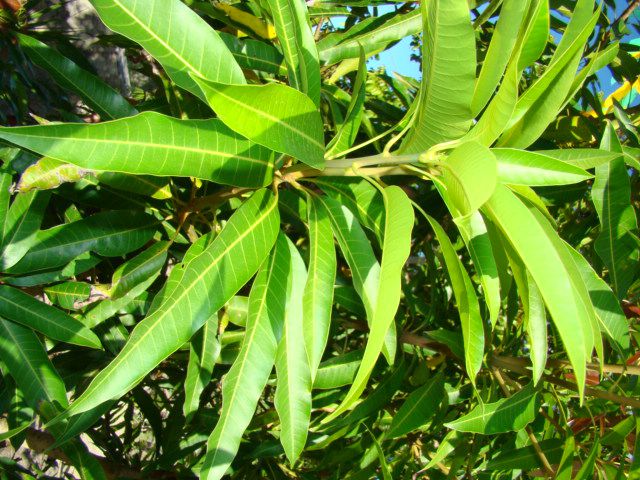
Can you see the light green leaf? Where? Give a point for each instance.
(318, 291)
(204, 350)
(109, 234)
(291, 21)
(5, 196)
(510, 414)
(586, 470)
(272, 115)
(396, 247)
(611, 195)
(161, 27)
(448, 76)
(585, 158)
(293, 389)
(418, 408)
(48, 173)
(143, 266)
(20, 307)
(565, 467)
(527, 457)
(469, 174)
(193, 293)
(253, 54)
(154, 144)
(243, 385)
(338, 371)
(520, 167)
(98, 95)
(534, 41)
(69, 295)
(21, 226)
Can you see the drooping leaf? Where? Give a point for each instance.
(109, 234)
(449, 64)
(418, 408)
(510, 414)
(243, 385)
(161, 27)
(98, 95)
(193, 293)
(138, 269)
(272, 115)
(151, 143)
(21, 307)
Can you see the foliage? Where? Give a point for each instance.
(268, 261)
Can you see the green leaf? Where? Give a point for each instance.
(21, 226)
(253, 54)
(109, 234)
(133, 272)
(291, 21)
(418, 408)
(448, 78)
(318, 291)
(154, 144)
(469, 174)
(510, 414)
(396, 247)
(194, 291)
(611, 195)
(565, 467)
(243, 385)
(20, 307)
(272, 115)
(161, 27)
(29, 365)
(338, 371)
(527, 457)
(204, 350)
(544, 261)
(48, 173)
(98, 95)
(293, 389)
(584, 158)
(586, 470)
(520, 167)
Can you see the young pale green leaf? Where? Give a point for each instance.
(448, 78)
(48, 173)
(243, 385)
(98, 95)
(161, 27)
(520, 167)
(338, 371)
(580, 17)
(109, 234)
(272, 115)
(611, 194)
(27, 362)
(510, 414)
(467, 301)
(154, 144)
(544, 261)
(253, 54)
(512, 13)
(418, 408)
(291, 21)
(469, 174)
(396, 247)
(204, 350)
(318, 291)
(21, 225)
(584, 158)
(193, 293)
(143, 266)
(20, 307)
(293, 389)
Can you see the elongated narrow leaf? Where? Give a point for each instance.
(204, 350)
(20, 307)
(543, 260)
(581, 157)
(153, 144)
(196, 290)
(21, 226)
(161, 27)
(611, 194)
(98, 95)
(253, 54)
(448, 76)
(337, 371)
(243, 385)
(138, 269)
(291, 20)
(399, 219)
(520, 167)
(69, 295)
(109, 234)
(293, 390)
(510, 414)
(418, 408)
(318, 291)
(586, 470)
(5, 196)
(272, 115)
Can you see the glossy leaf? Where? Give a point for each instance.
(153, 144)
(253, 54)
(418, 408)
(143, 266)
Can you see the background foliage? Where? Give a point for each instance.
(268, 261)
